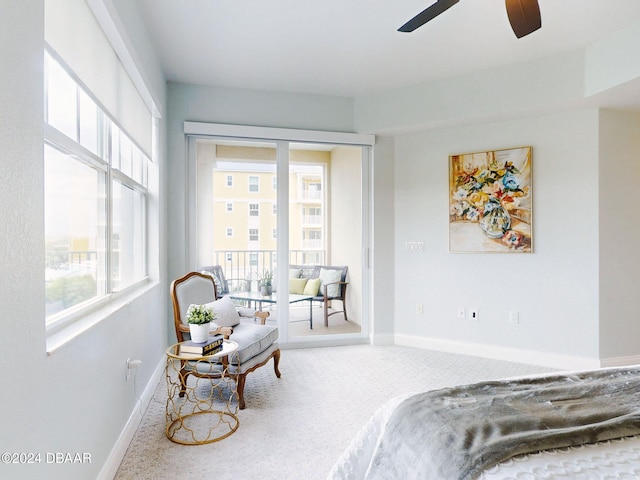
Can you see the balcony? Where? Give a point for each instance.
(243, 267)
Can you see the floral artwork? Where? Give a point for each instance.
(490, 201)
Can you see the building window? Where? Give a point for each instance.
(274, 183)
(229, 180)
(229, 257)
(312, 215)
(96, 192)
(253, 235)
(311, 235)
(274, 209)
(229, 207)
(229, 232)
(254, 183)
(254, 210)
(274, 233)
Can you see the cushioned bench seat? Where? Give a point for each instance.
(252, 340)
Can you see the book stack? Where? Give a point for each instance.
(212, 346)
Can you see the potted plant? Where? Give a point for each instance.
(266, 279)
(199, 318)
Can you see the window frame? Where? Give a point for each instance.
(251, 184)
(103, 161)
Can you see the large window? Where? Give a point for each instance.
(96, 180)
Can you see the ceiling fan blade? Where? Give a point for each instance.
(524, 16)
(428, 14)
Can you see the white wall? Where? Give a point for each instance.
(76, 399)
(538, 86)
(346, 223)
(619, 234)
(555, 289)
(577, 293)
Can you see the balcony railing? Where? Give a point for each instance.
(312, 219)
(309, 195)
(242, 268)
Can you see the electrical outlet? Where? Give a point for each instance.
(132, 365)
(461, 313)
(514, 316)
(415, 246)
(420, 309)
(474, 314)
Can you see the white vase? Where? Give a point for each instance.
(199, 333)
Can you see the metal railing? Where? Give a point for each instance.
(242, 268)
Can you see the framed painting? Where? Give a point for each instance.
(490, 201)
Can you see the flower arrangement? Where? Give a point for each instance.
(200, 314)
(488, 196)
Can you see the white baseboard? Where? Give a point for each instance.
(531, 357)
(620, 361)
(111, 465)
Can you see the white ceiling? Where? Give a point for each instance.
(352, 47)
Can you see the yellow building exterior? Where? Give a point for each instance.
(245, 208)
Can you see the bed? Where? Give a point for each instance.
(555, 426)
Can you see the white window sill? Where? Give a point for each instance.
(65, 331)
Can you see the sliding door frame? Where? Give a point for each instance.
(282, 138)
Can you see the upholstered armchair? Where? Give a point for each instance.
(257, 342)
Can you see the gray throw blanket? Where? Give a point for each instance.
(456, 433)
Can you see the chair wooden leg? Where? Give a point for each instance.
(242, 377)
(276, 362)
(344, 307)
(240, 380)
(183, 373)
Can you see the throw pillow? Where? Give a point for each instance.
(226, 313)
(296, 285)
(295, 272)
(330, 276)
(312, 287)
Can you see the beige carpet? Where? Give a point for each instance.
(295, 427)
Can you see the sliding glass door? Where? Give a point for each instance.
(286, 222)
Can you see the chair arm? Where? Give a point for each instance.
(251, 313)
(224, 331)
(343, 290)
(262, 316)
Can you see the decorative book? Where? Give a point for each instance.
(211, 346)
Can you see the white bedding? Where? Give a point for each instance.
(609, 460)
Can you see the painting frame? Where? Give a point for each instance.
(491, 201)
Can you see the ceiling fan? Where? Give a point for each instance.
(524, 15)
